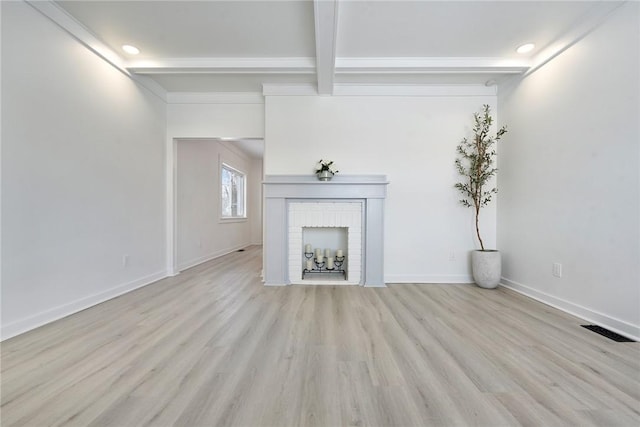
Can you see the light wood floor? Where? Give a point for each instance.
(213, 347)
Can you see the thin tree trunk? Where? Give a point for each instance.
(478, 193)
(478, 228)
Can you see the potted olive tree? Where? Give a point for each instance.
(476, 164)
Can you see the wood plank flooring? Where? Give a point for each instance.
(213, 347)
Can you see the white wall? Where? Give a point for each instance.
(82, 173)
(201, 234)
(569, 177)
(410, 139)
(254, 200)
(207, 120)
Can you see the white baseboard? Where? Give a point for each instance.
(616, 325)
(446, 278)
(377, 285)
(28, 323)
(196, 261)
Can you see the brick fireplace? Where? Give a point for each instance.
(293, 202)
(346, 214)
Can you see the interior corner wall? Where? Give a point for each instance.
(569, 177)
(201, 234)
(82, 174)
(412, 140)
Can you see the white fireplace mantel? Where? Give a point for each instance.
(279, 190)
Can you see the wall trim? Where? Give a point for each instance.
(619, 326)
(375, 285)
(81, 33)
(428, 279)
(215, 98)
(428, 65)
(84, 36)
(341, 89)
(292, 89)
(151, 85)
(40, 319)
(589, 22)
(200, 260)
(413, 90)
(224, 65)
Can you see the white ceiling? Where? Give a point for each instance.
(237, 46)
(201, 29)
(490, 29)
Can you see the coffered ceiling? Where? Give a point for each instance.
(239, 46)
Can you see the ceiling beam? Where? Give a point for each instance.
(223, 66)
(439, 65)
(346, 89)
(326, 26)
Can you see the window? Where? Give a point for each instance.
(233, 193)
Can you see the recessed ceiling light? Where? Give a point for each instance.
(526, 48)
(131, 50)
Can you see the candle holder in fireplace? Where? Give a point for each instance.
(322, 267)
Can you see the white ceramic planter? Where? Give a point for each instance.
(486, 267)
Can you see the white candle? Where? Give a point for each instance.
(319, 258)
(318, 252)
(339, 253)
(327, 252)
(307, 248)
(329, 263)
(309, 265)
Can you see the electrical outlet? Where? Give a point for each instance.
(199, 243)
(125, 260)
(557, 269)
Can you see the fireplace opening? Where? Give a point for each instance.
(332, 225)
(324, 253)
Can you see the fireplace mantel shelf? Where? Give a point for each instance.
(341, 186)
(337, 180)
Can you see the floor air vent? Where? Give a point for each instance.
(607, 333)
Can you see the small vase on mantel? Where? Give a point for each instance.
(325, 170)
(325, 175)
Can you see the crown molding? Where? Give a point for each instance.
(276, 89)
(596, 16)
(151, 85)
(68, 23)
(301, 65)
(381, 90)
(413, 90)
(214, 98)
(306, 65)
(427, 65)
